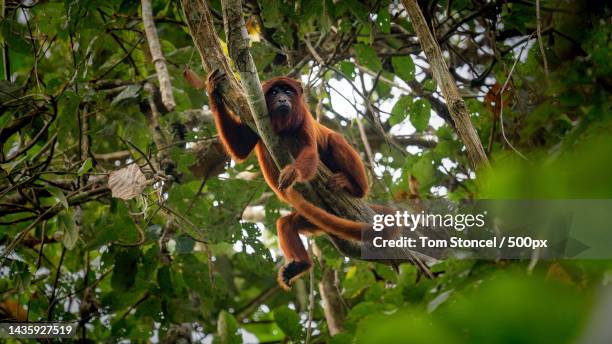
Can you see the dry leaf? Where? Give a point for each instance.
(127, 183)
(193, 79)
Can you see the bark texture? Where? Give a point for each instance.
(165, 87)
(456, 106)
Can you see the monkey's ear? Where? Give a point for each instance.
(298, 85)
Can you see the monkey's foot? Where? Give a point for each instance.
(290, 272)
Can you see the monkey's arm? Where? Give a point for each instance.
(353, 175)
(238, 139)
(307, 160)
(304, 167)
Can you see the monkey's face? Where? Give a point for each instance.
(280, 100)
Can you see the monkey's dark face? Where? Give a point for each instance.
(280, 100)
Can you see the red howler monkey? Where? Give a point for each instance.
(290, 117)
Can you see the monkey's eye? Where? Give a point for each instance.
(288, 91)
(274, 91)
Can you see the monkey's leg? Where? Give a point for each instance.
(297, 260)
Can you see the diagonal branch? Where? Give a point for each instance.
(202, 29)
(455, 103)
(159, 60)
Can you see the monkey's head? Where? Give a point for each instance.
(284, 101)
(282, 95)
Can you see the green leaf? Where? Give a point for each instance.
(383, 89)
(5, 118)
(184, 244)
(407, 276)
(325, 22)
(358, 9)
(357, 279)
(67, 122)
(270, 13)
(429, 85)
(67, 224)
(227, 329)
(423, 170)
(125, 268)
(129, 93)
(421, 111)
(10, 166)
(403, 67)
(59, 196)
(8, 91)
(399, 112)
(87, 165)
(309, 9)
(262, 55)
(341, 338)
(364, 309)
(289, 321)
(348, 68)
(196, 273)
(164, 280)
(383, 20)
(367, 57)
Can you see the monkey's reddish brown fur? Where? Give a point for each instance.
(315, 143)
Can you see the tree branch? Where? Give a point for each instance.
(163, 76)
(455, 103)
(202, 28)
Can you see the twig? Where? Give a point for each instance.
(501, 99)
(6, 64)
(384, 79)
(38, 135)
(116, 39)
(255, 302)
(540, 43)
(141, 239)
(128, 55)
(130, 144)
(75, 197)
(311, 298)
(314, 53)
(43, 236)
(112, 156)
(52, 300)
(132, 307)
(165, 87)
(366, 143)
(362, 133)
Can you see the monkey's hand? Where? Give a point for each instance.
(287, 177)
(214, 79)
